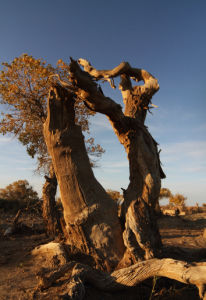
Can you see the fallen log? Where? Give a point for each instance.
(188, 273)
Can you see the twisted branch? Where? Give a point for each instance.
(194, 273)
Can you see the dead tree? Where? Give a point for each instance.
(81, 194)
(92, 223)
(124, 278)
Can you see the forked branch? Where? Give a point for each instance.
(136, 98)
(123, 68)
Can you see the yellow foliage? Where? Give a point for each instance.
(19, 190)
(177, 199)
(115, 195)
(24, 86)
(164, 193)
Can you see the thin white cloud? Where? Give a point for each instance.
(194, 169)
(189, 149)
(113, 170)
(200, 128)
(25, 169)
(13, 160)
(193, 190)
(161, 122)
(100, 122)
(116, 165)
(113, 184)
(4, 139)
(184, 159)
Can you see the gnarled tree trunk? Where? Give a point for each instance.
(86, 205)
(92, 224)
(141, 236)
(90, 214)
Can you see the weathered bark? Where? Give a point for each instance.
(125, 278)
(50, 213)
(90, 214)
(91, 217)
(141, 235)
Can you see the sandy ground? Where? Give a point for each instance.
(18, 269)
(185, 232)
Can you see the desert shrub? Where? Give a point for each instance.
(177, 200)
(115, 195)
(18, 194)
(204, 207)
(165, 193)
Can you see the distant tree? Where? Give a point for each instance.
(177, 200)
(115, 195)
(164, 193)
(19, 190)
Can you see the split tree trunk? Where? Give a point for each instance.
(90, 214)
(141, 235)
(86, 204)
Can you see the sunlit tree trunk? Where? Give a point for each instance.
(92, 224)
(88, 211)
(90, 214)
(141, 235)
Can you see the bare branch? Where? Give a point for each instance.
(137, 98)
(123, 68)
(88, 91)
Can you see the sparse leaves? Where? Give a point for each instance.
(164, 193)
(174, 200)
(178, 200)
(19, 190)
(24, 86)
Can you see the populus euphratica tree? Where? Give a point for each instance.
(20, 191)
(93, 229)
(92, 225)
(90, 214)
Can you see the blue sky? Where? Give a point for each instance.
(167, 38)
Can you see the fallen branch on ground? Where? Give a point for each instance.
(193, 273)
